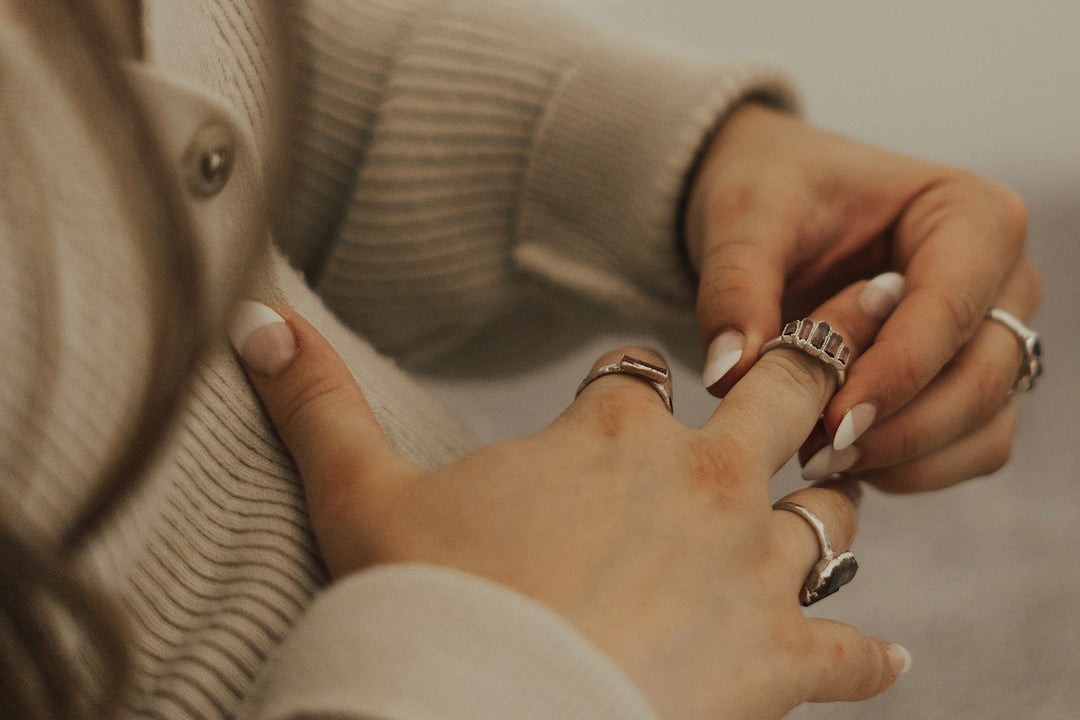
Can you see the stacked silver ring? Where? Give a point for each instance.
(816, 339)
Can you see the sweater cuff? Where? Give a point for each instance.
(601, 204)
(417, 641)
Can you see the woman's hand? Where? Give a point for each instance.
(656, 541)
(782, 215)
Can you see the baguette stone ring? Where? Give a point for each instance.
(816, 339)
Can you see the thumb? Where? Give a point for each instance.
(738, 307)
(344, 458)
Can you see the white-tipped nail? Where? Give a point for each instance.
(857, 421)
(262, 338)
(899, 658)
(724, 353)
(828, 461)
(882, 294)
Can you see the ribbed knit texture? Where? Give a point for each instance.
(513, 155)
(439, 192)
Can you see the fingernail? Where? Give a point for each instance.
(899, 658)
(828, 461)
(856, 421)
(262, 338)
(724, 353)
(882, 294)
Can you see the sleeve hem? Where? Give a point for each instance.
(416, 641)
(600, 209)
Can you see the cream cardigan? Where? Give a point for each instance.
(466, 170)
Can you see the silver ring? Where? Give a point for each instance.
(816, 339)
(1030, 347)
(658, 377)
(832, 571)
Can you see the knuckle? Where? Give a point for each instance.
(312, 393)
(906, 375)
(908, 443)
(998, 457)
(1015, 214)
(963, 310)
(613, 412)
(1030, 280)
(986, 384)
(732, 268)
(1003, 204)
(797, 373)
(735, 202)
(1001, 441)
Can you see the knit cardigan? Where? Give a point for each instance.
(464, 172)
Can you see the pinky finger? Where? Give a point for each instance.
(981, 452)
(849, 665)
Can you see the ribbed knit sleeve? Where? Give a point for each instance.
(415, 642)
(599, 212)
(467, 169)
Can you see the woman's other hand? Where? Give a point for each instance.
(656, 541)
(782, 215)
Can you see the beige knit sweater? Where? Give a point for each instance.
(466, 171)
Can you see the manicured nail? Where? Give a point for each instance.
(827, 462)
(857, 421)
(262, 338)
(882, 294)
(724, 353)
(899, 658)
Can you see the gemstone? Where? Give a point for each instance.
(831, 576)
(845, 353)
(790, 328)
(821, 332)
(643, 369)
(832, 345)
(805, 326)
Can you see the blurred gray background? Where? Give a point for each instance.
(981, 582)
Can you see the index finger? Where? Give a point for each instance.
(957, 242)
(322, 417)
(773, 408)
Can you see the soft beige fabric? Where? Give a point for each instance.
(463, 168)
(415, 642)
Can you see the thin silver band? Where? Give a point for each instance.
(815, 522)
(658, 377)
(816, 339)
(1030, 347)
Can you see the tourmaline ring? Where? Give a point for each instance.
(816, 339)
(832, 571)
